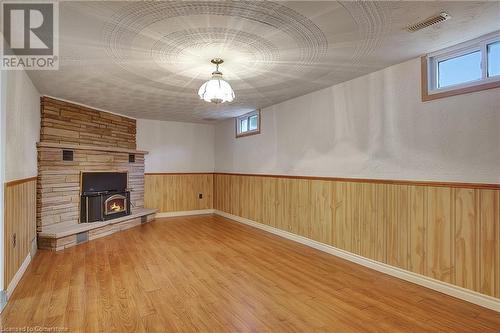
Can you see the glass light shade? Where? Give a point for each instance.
(216, 90)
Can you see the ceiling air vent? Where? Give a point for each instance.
(443, 16)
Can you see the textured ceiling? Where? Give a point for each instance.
(148, 59)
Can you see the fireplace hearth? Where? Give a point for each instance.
(104, 196)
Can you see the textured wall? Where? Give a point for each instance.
(176, 147)
(23, 125)
(374, 126)
(20, 103)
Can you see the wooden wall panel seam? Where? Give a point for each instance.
(452, 236)
(496, 218)
(19, 219)
(179, 192)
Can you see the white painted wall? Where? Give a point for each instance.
(22, 106)
(374, 126)
(19, 132)
(3, 94)
(176, 146)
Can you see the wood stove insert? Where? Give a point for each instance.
(104, 196)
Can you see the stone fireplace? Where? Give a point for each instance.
(90, 175)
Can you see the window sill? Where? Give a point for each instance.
(242, 135)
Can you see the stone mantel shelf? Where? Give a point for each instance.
(87, 147)
(63, 230)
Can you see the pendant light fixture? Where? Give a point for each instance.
(216, 90)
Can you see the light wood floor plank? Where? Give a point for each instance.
(208, 274)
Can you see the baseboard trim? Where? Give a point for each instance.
(186, 213)
(19, 274)
(443, 287)
(3, 300)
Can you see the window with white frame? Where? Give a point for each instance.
(248, 124)
(469, 64)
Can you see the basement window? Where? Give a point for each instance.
(463, 68)
(248, 124)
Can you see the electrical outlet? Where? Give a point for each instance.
(200, 195)
(14, 239)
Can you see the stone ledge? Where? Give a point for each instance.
(58, 230)
(71, 235)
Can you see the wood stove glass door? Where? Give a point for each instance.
(115, 204)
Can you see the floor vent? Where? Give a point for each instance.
(82, 237)
(443, 16)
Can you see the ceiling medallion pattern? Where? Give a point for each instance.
(373, 22)
(176, 47)
(148, 59)
(167, 46)
(135, 18)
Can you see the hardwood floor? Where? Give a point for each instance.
(207, 274)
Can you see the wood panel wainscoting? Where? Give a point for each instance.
(20, 225)
(178, 192)
(446, 231)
